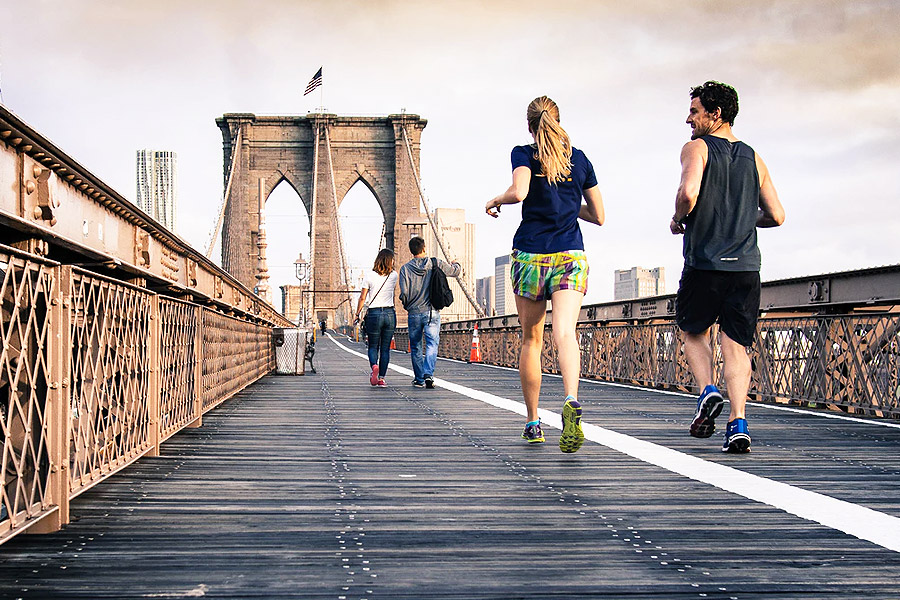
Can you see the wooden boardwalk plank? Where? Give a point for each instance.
(324, 487)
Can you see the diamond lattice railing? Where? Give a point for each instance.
(26, 292)
(178, 356)
(846, 362)
(234, 353)
(110, 334)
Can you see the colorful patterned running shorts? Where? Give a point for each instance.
(537, 276)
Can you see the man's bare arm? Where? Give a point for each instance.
(771, 212)
(693, 161)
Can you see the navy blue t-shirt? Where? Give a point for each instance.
(550, 212)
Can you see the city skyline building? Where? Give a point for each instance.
(459, 239)
(292, 302)
(485, 294)
(504, 299)
(638, 282)
(157, 185)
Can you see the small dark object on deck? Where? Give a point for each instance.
(310, 351)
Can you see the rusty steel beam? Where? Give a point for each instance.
(52, 206)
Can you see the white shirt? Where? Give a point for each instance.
(385, 297)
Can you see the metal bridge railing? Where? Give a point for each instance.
(849, 363)
(95, 373)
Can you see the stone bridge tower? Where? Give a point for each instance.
(321, 156)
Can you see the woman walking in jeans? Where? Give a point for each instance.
(381, 320)
(550, 178)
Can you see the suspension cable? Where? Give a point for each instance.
(437, 234)
(345, 273)
(235, 150)
(312, 226)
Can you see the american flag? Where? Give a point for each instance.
(315, 82)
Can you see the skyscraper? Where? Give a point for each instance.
(505, 300)
(460, 239)
(156, 184)
(485, 294)
(639, 283)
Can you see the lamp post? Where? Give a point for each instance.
(301, 272)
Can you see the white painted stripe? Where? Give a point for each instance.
(861, 522)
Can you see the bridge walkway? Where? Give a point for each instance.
(324, 487)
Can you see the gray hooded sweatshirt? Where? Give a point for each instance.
(415, 282)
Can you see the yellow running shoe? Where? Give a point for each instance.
(572, 436)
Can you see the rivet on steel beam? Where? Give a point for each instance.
(30, 187)
(27, 148)
(54, 385)
(15, 141)
(5, 133)
(38, 213)
(38, 171)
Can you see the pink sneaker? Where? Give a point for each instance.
(374, 378)
(381, 382)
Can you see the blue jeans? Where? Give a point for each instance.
(380, 325)
(427, 324)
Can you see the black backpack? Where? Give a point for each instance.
(440, 295)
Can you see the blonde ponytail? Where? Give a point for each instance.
(554, 150)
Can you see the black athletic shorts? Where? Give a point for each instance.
(729, 297)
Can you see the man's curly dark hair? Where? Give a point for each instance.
(713, 95)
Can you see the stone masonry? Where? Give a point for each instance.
(277, 149)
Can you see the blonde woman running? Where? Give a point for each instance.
(550, 178)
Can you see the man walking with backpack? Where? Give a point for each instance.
(423, 295)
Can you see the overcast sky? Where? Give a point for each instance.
(819, 86)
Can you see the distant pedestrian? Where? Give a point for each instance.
(424, 321)
(380, 320)
(550, 177)
(725, 194)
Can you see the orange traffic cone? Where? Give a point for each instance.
(475, 354)
(393, 344)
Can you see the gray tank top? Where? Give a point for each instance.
(720, 233)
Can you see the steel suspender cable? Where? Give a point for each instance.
(235, 150)
(312, 230)
(345, 273)
(437, 234)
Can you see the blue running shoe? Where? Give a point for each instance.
(737, 437)
(708, 408)
(533, 434)
(572, 436)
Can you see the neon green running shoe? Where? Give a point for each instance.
(572, 436)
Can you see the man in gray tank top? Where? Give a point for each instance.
(724, 195)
